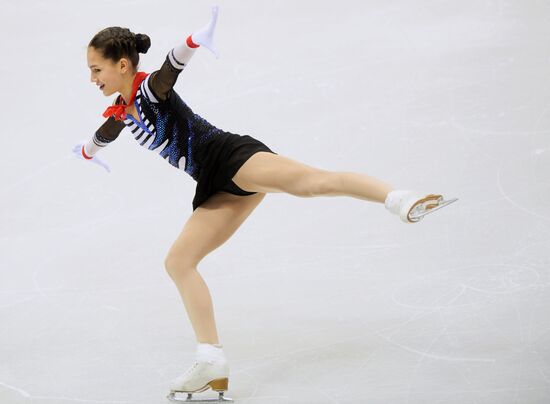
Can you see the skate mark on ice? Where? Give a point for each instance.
(510, 200)
(253, 397)
(508, 279)
(486, 280)
(394, 329)
(17, 302)
(37, 172)
(544, 375)
(436, 305)
(434, 356)
(57, 399)
(424, 354)
(284, 354)
(263, 398)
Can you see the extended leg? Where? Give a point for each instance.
(268, 172)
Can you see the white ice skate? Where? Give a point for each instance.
(412, 206)
(200, 377)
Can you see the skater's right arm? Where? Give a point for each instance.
(161, 82)
(106, 133)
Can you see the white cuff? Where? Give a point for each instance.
(180, 55)
(93, 146)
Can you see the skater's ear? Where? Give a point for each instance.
(124, 66)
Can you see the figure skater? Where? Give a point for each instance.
(233, 174)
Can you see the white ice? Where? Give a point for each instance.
(317, 300)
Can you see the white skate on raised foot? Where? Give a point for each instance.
(200, 377)
(412, 206)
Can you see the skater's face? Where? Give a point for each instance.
(106, 74)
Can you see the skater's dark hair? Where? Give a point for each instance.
(117, 42)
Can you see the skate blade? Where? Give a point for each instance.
(189, 399)
(419, 212)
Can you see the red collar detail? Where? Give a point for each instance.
(119, 110)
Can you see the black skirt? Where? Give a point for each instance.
(219, 160)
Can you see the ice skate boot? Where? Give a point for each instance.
(412, 206)
(210, 371)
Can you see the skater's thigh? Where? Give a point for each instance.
(209, 226)
(268, 172)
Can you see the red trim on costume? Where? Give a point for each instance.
(84, 154)
(119, 110)
(190, 42)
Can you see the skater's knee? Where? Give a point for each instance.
(178, 265)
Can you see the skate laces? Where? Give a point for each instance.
(192, 368)
(188, 371)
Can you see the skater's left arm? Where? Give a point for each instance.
(161, 82)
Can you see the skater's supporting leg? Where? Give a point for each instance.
(268, 172)
(198, 303)
(208, 227)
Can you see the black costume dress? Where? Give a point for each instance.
(168, 126)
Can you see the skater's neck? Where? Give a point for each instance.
(126, 87)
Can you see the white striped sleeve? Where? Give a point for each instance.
(106, 133)
(182, 54)
(94, 145)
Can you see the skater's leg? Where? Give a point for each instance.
(268, 172)
(208, 227)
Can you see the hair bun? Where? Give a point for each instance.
(143, 43)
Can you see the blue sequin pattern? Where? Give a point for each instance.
(177, 133)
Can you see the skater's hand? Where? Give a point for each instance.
(205, 36)
(77, 150)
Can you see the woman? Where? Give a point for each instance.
(233, 173)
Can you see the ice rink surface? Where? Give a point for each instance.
(317, 300)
